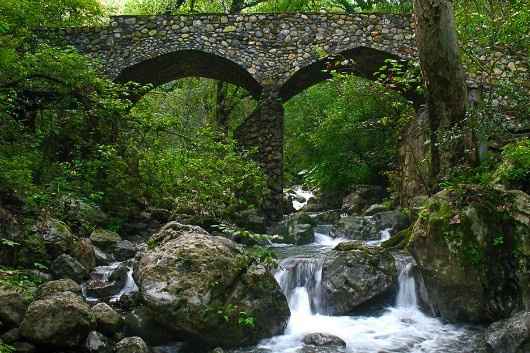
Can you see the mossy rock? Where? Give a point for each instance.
(471, 247)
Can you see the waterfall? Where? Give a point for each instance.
(406, 297)
(300, 277)
(399, 328)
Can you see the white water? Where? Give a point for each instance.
(103, 273)
(401, 328)
(299, 193)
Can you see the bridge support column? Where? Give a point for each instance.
(264, 129)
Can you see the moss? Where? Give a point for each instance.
(398, 241)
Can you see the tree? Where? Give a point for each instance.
(444, 78)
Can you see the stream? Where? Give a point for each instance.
(402, 327)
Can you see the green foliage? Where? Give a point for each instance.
(491, 22)
(343, 132)
(5, 348)
(20, 280)
(514, 169)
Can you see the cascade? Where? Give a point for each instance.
(400, 328)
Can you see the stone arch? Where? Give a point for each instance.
(361, 61)
(187, 63)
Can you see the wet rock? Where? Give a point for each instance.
(375, 208)
(361, 197)
(394, 220)
(132, 345)
(53, 287)
(124, 250)
(63, 320)
(297, 229)
(97, 343)
(102, 258)
(65, 266)
(104, 239)
(107, 319)
(321, 339)
(357, 228)
(326, 217)
(193, 283)
(12, 307)
(356, 276)
(58, 238)
(510, 335)
(480, 253)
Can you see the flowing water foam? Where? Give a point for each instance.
(401, 328)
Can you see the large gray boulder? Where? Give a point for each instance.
(12, 307)
(355, 275)
(62, 320)
(471, 246)
(104, 239)
(208, 288)
(356, 228)
(65, 266)
(53, 287)
(57, 237)
(108, 320)
(511, 335)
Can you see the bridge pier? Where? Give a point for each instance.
(264, 129)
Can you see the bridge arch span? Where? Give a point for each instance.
(361, 61)
(189, 63)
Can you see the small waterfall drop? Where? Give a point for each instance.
(400, 328)
(407, 297)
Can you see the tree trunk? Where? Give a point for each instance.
(446, 88)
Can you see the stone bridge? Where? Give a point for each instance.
(273, 56)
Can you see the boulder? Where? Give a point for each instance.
(84, 252)
(107, 319)
(12, 307)
(104, 239)
(375, 208)
(356, 228)
(325, 217)
(58, 238)
(140, 322)
(361, 197)
(321, 339)
(471, 245)
(297, 229)
(63, 320)
(394, 220)
(124, 250)
(132, 345)
(208, 288)
(53, 287)
(510, 335)
(356, 276)
(102, 258)
(97, 343)
(65, 266)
